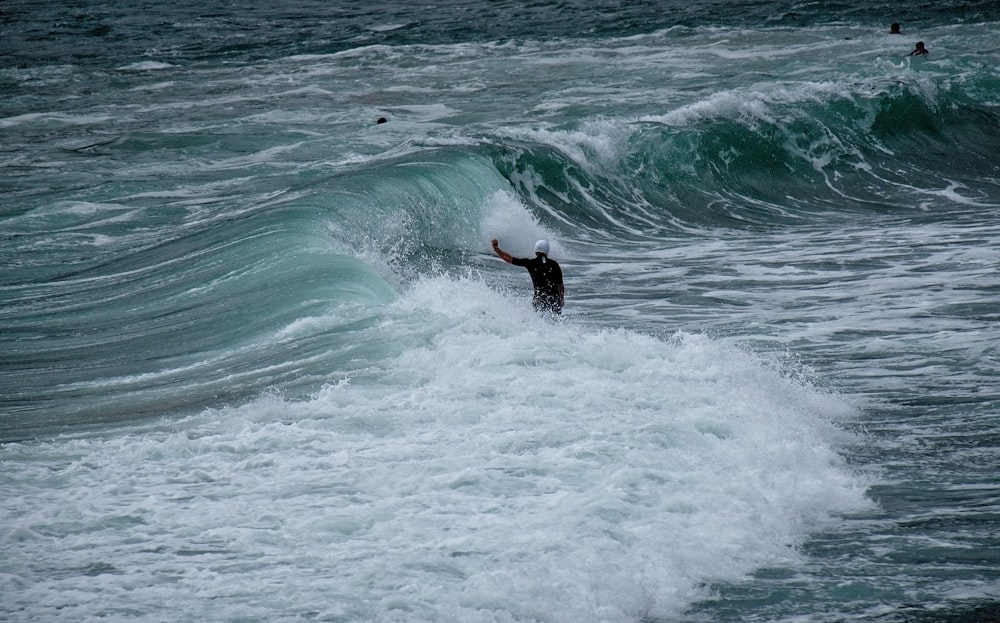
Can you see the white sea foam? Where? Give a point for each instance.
(147, 66)
(499, 470)
(507, 219)
(600, 142)
(387, 27)
(54, 118)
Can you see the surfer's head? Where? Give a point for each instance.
(542, 246)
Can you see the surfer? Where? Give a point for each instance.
(919, 50)
(546, 276)
(894, 28)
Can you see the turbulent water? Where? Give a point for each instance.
(259, 363)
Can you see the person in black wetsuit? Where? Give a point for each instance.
(545, 273)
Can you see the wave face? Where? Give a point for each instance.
(253, 338)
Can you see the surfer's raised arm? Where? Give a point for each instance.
(507, 257)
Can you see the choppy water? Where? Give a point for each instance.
(258, 362)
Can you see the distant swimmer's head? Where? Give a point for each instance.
(894, 28)
(542, 246)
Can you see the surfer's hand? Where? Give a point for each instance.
(495, 243)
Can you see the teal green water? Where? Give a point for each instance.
(259, 362)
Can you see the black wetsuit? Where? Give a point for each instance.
(546, 276)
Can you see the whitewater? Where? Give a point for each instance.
(258, 361)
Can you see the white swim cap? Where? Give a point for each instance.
(542, 246)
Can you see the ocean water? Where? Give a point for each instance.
(259, 363)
